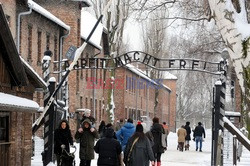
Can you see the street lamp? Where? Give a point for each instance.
(224, 62)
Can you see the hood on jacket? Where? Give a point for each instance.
(86, 121)
(67, 124)
(129, 125)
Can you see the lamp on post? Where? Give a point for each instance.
(224, 62)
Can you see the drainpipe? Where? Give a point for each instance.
(19, 26)
(61, 54)
(60, 73)
(169, 111)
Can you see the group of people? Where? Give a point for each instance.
(184, 137)
(130, 144)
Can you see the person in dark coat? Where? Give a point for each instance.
(157, 131)
(87, 136)
(138, 151)
(198, 133)
(109, 149)
(62, 139)
(188, 137)
(125, 133)
(101, 128)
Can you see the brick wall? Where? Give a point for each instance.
(172, 85)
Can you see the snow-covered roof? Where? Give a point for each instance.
(167, 75)
(87, 23)
(143, 75)
(14, 103)
(37, 77)
(139, 73)
(87, 2)
(39, 9)
(232, 113)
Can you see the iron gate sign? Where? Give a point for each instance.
(161, 64)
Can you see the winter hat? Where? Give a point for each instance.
(87, 111)
(109, 132)
(130, 120)
(139, 128)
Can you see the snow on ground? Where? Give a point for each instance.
(172, 157)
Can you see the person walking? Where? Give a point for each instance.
(87, 135)
(165, 136)
(119, 124)
(157, 131)
(125, 133)
(62, 140)
(181, 133)
(188, 137)
(101, 128)
(198, 133)
(138, 151)
(109, 149)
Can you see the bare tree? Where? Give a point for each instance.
(114, 21)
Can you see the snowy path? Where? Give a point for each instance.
(171, 157)
(245, 158)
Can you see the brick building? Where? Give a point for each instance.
(39, 26)
(135, 95)
(18, 83)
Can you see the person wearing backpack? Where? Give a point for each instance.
(138, 151)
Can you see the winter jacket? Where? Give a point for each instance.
(87, 140)
(125, 133)
(188, 129)
(62, 137)
(141, 153)
(181, 133)
(109, 149)
(198, 131)
(157, 131)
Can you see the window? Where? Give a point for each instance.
(86, 102)
(55, 48)
(29, 59)
(91, 104)
(81, 69)
(78, 32)
(77, 81)
(100, 109)
(47, 41)
(96, 108)
(39, 47)
(4, 127)
(81, 102)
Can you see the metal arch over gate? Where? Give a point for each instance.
(161, 64)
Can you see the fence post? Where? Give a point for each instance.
(234, 150)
